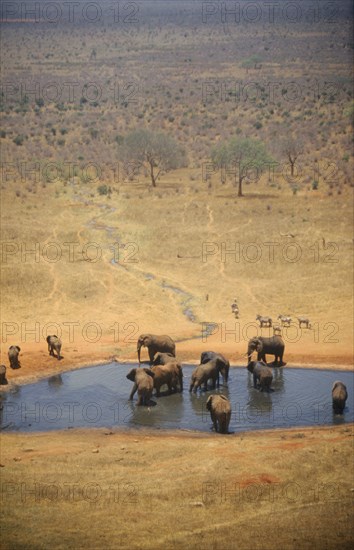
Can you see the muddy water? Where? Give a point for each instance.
(98, 396)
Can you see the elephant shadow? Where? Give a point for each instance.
(55, 382)
(166, 393)
(258, 400)
(276, 365)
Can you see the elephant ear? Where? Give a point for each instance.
(149, 372)
(259, 345)
(18, 348)
(209, 402)
(157, 359)
(131, 375)
(147, 341)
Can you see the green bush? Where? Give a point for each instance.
(104, 190)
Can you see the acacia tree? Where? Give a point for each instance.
(158, 151)
(241, 155)
(292, 148)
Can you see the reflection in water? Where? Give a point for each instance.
(55, 381)
(98, 396)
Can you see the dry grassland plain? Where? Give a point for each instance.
(94, 252)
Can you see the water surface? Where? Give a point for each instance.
(98, 396)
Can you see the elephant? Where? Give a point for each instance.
(13, 357)
(204, 372)
(262, 375)
(339, 396)
(3, 379)
(274, 345)
(54, 344)
(162, 358)
(220, 412)
(168, 358)
(156, 343)
(143, 382)
(168, 374)
(208, 355)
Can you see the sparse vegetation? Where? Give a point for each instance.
(148, 106)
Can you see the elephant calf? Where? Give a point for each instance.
(339, 396)
(143, 379)
(220, 412)
(262, 375)
(13, 357)
(205, 372)
(54, 344)
(3, 379)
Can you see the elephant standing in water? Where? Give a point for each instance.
(204, 372)
(54, 344)
(143, 382)
(339, 396)
(13, 357)
(3, 379)
(168, 374)
(262, 375)
(209, 355)
(220, 412)
(171, 361)
(156, 343)
(262, 345)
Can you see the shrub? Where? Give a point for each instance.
(104, 190)
(18, 140)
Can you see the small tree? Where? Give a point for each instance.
(157, 151)
(242, 154)
(292, 148)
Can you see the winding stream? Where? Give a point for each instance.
(113, 235)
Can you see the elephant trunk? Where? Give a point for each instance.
(138, 350)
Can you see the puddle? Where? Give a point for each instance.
(98, 396)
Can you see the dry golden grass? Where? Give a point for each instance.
(98, 489)
(166, 227)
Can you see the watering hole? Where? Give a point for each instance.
(98, 396)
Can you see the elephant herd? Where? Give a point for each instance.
(54, 344)
(166, 370)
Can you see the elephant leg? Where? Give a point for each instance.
(254, 381)
(135, 387)
(151, 355)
